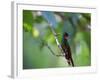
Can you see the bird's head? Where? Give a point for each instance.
(65, 35)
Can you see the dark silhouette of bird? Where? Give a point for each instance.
(67, 50)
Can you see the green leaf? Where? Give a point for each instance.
(27, 20)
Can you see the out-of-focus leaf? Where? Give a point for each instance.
(87, 39)
(26, 27)
(87, 16)
(83, 57)
(49, 16)
(82, 23)
(35, 32)
(38, 19)
(74, 20)
(27, 20)
(49, 37)
(68, 28)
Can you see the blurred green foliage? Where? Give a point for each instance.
(27, 20)
(36, 33)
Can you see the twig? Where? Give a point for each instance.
(46, 44)
(53, 52)
(56, 39)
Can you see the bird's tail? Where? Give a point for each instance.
(72, 62)
(68, 61)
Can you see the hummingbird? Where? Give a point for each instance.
(66, 49)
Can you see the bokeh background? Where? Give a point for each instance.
(36, 33)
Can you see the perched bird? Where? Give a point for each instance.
(66, 49)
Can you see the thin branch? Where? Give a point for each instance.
(46, 44)
(53, 52)
(62, 16)
(56, 39)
